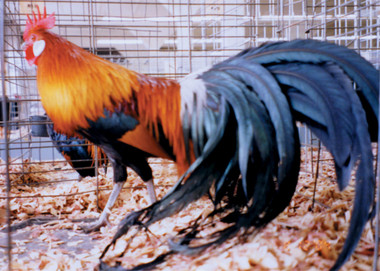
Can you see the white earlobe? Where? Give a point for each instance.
(38, 47)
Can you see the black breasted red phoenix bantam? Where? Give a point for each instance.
(230, 130)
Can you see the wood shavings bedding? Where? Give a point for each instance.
(301, 238)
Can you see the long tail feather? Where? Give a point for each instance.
(264, 84)
(365, 180)
(261, 170)
(240, 123)
(350, 126)
(250, 116)
(318, 86)
(316, 52)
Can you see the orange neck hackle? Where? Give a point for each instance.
(76, 86)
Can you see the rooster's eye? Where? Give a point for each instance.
(33, 37)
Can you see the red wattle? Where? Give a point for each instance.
(30, 56)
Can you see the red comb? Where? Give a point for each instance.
(39, 22)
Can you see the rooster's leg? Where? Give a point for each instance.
(103, 219)
(120, 176)
(151, 191)
(142, 168)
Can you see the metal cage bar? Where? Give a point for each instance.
(169, 38)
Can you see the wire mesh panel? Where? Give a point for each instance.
(169, 38)
(350, 23)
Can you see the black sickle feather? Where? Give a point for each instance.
(311, 51)
(264, 84)
(261, 168)
(247, 145)
(318, 86)
(347, 138)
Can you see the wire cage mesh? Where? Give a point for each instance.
(160, 38)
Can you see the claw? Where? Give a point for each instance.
(91, 227)
(103, 219)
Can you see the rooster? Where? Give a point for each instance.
(79, 153)
(230, 129)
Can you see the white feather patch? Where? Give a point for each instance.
(38, 47)
(191, 87)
